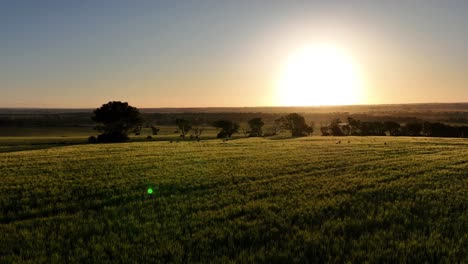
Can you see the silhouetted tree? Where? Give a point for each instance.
(378, 128)
(296, 123)
(334, 128)
(92, 139)
(443, 130)
(393, 128)
(277, 126)
(197, 132)
(426, 129)
(413, 129)
(310, 129)
(354, 126)
(324, 131)
(365, 129)
(197, 128)
(346, 130)
(117, 119)
(184, 126)
(228, 128)
(371, 129)
(256, 125)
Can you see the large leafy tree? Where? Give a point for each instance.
(256, 125)
(354, 126)
(228, 128)
(116, 119)
(334, 128)
(184, 125)
(297, 124)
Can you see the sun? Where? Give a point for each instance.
(319, 75)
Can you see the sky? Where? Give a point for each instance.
(80, 54)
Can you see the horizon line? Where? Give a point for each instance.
(214, 107)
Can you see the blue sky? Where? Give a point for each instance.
(222, 53)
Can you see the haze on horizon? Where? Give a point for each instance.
(232, 53)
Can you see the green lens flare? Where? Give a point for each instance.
(150, 191)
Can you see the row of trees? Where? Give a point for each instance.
(357, 128)
(117, 119)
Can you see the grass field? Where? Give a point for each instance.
(30, 138)
(375, 199)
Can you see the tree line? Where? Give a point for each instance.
(117, 119)
(354, 127)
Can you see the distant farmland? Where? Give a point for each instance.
(376, 199)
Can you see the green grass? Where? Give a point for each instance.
(245, 200)
(30, 138)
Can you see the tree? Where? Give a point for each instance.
(354, 126)
(196, 132)
(377, 128)
(117, 119)
(346, 130)
(256, 125)
(443, 130)
(310, 129)
(393, 128)
(197, 128)
(296, 123)
(414, 129)
(228, 128)
(184, 126)
(324, 130)
(372, 129)
(334, 128)
(277, 126)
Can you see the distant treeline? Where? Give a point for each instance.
(354, 127)
(41, 119)
(46, 120)
(432, 124)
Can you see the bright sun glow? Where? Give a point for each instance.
(319, 75)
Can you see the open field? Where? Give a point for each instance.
(30, 138)
(376, 199)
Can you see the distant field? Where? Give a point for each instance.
(31, 131)
(28, 138)
(84, 132)
(376, 199)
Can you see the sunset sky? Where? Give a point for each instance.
(232, 53)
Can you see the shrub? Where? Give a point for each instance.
(92, 139)
(112, 137)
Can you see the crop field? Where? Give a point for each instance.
(29, 137)
(367, 199)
